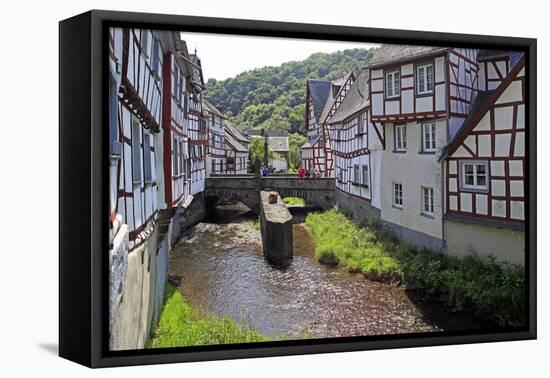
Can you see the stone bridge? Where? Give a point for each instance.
(318, 192)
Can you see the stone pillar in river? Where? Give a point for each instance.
(276, 225)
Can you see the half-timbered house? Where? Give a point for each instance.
(197, 127)
(135, 104)
(357, 145)
(215, 158)
(322, 100)
(236, 150)
(421, 96)
(176, 161)
(485, 168)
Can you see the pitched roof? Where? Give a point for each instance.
(255, 132)
(391, 53)
(356, 99)
(232, 142)
(236, 133)
(211, 108)
(319, 91)
(482, 104)
(311, 141)
(278, 144)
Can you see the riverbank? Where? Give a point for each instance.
(181, 324)
(494, 290)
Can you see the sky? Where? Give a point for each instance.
(224, 56)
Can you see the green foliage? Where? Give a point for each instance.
(254, 223)
(294, 156)
(293, 201)
(493, 289)
(182, 325)
(274, 97)
(257, 150)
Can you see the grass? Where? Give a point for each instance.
(293, 201)
(254, 223)
(496, 290)
(183, 325)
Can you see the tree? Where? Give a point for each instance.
(294, 156)
(256, 151)
(274, 97)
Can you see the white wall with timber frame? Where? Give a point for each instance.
(216, 144)
(139, 119)
(198, 143)
(485, 168)
(177, 165)
(357, 153)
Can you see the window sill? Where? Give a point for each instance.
(426, 94)
(399, 151)
(427, 215)
(364, 186)
(474, 190)
(393, 97)
(421, 152)
(397, 207)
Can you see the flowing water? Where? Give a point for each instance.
(223, 271)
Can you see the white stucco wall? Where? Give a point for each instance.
(413, 170)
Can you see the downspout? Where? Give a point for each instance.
(443, 158)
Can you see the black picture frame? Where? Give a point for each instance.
(83, 181)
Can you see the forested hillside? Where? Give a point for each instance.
(274, 97)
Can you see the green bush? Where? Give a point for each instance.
(183, 325)
(293, 201)
(494, 289)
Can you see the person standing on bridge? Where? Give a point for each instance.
(301, 172)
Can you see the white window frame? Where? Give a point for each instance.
(136, 150)
(400, 138)
(356, 172)
(475, 186)
(392, 84)
(397, 194)
(422, 73)
(147, 160)
(429, 136)
(427, 194)
(360, 124)
(145, 43)
(365, 175)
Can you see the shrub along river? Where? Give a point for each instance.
(222, 270)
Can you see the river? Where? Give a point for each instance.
(223, 271)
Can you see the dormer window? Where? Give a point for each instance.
(393, 84)
(424, 79)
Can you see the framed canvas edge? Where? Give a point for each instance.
(95, 325)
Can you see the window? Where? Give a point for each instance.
(155, 60)
(474, 175)
(136, 150)
(427, 201)
(393, 84)
(397, 195)
(340, 175)
(360, 125)
(365, 177)
(181, 158)
(356, 178)
(145, 43)
(424, 79)
(175, 161)
(114, 145)
(147, 167)
(400, 137)
(428, 137)
(175, 84)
